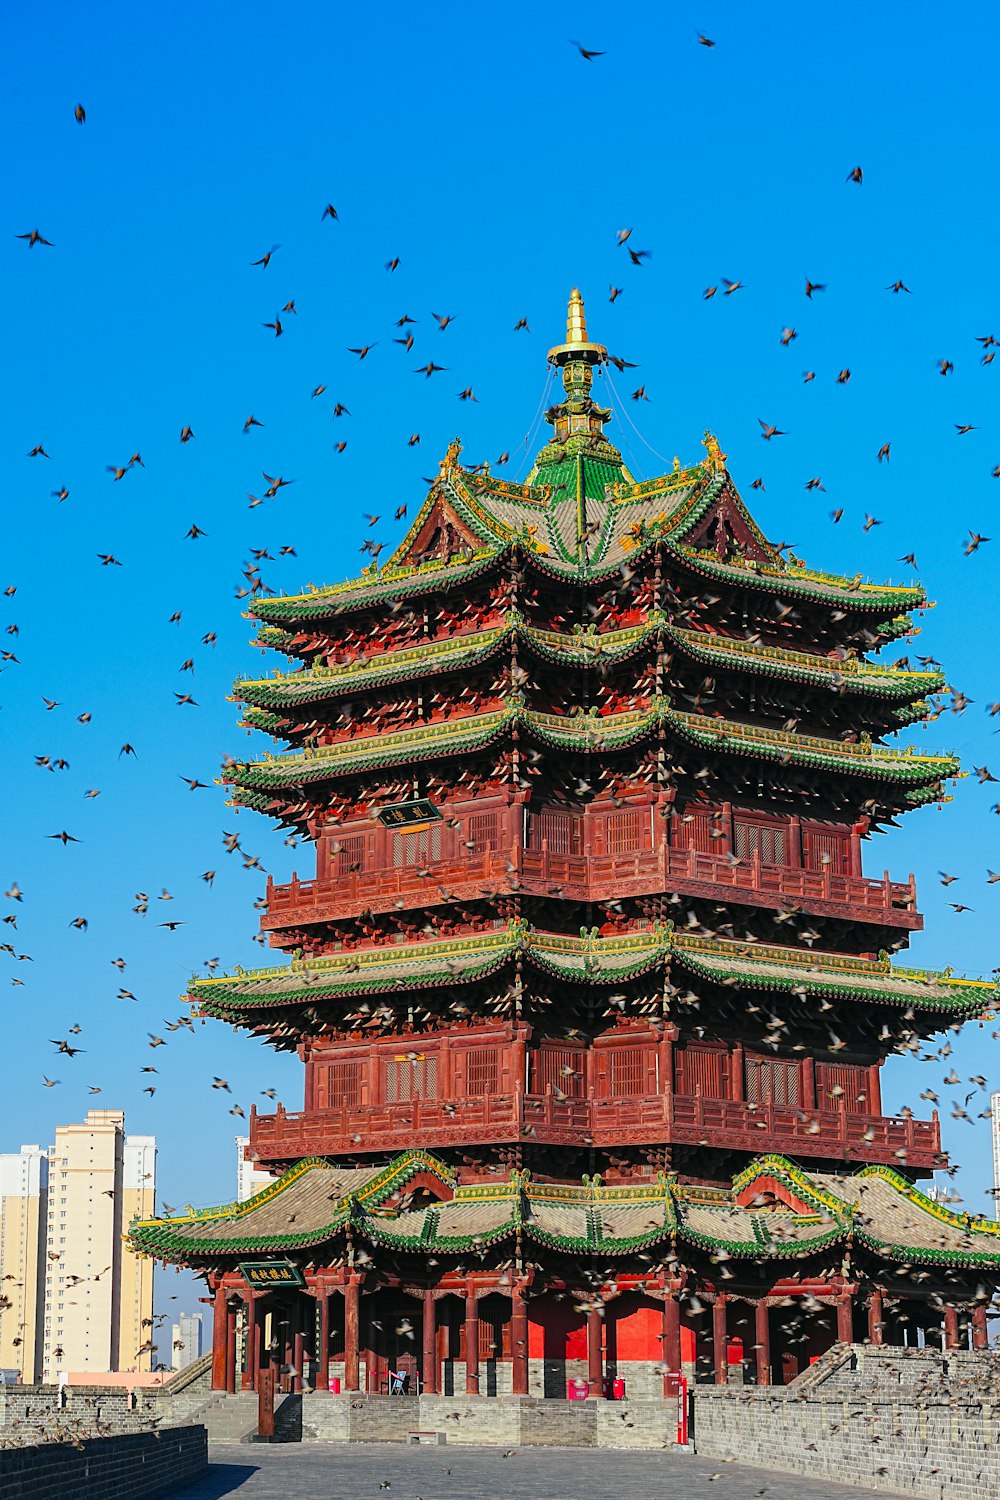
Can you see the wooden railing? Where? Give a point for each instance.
(639, 1119)
(593, 877)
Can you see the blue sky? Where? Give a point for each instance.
(497, 164)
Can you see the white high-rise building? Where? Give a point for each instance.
(98, 1295)
(185, 1341)
(995, 1129)
(249, 1177)
(24, 1180)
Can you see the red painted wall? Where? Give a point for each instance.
(555, 1330)
(634, 1328)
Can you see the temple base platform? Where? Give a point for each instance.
(503, 1421)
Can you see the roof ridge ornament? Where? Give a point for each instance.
(577, 421)
(716, 458)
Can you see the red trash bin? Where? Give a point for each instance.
(578, 1390)
(618, 1389)
(335, 1385)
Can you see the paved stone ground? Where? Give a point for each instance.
(356, 1472)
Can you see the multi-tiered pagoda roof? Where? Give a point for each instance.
(590, 953)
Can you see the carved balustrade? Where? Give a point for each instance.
(594, 877)
(634, 1120)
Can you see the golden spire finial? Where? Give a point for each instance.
(577, 348)
(576, 319)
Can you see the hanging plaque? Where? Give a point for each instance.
(265, 1273)
(406, 814)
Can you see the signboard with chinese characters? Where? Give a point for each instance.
(268, 1273)
(406, 814)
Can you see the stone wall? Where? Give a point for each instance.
(133, 1466)
(507, 1421)
(44, 1413)
(911, 1421)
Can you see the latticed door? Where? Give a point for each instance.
(702, 1070)
(826, 849)
(768, 840)
(416, 846)
(484, 832)
(773, 1080)
(627, 1070)
(339, 1085)
(482, 1070)
(347, 854)
(627, 832)
(559, 830)
(410, 1078)
(562, 1067)
(697, 828)
(842, 1086)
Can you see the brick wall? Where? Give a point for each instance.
(44, 1413)
(903, 1420)
(132, 1466)
(507, 1421)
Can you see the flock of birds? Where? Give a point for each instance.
(405, 336)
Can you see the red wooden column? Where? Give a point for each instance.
(519, 1341)
(950, 1327)
(288, 1350)
(321, 1376)
(471, 1341)
(980, 1335)
(762, 1333)
(876, 1321)
(430, 1343)
(299, 1344)
(719, 1339)
(595, 1360)
(220, 1322)
(230, 1348)
(845, 1318)
(253, 1325)
(671, 1337)
(352, 1322)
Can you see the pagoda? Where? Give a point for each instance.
(591, 991)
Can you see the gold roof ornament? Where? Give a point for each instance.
(577, 346)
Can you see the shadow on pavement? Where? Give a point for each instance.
(218, 1480)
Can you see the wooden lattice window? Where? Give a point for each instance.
(827, 849)
(548, 1066)
(627, 831)
(339, 1085)
(627, 1070)
(409, 1078)
(347, 854)
(416, 846)
(482, 1070)
(766, 839)
(697, 828)
(842, 1086)
(484, 832)
(558, 830)
(701, 1070)
(773, 1080)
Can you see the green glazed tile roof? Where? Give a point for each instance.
(586, 959)
(580, 517)
(774, 1211)
(591, 732)
(582, 648)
